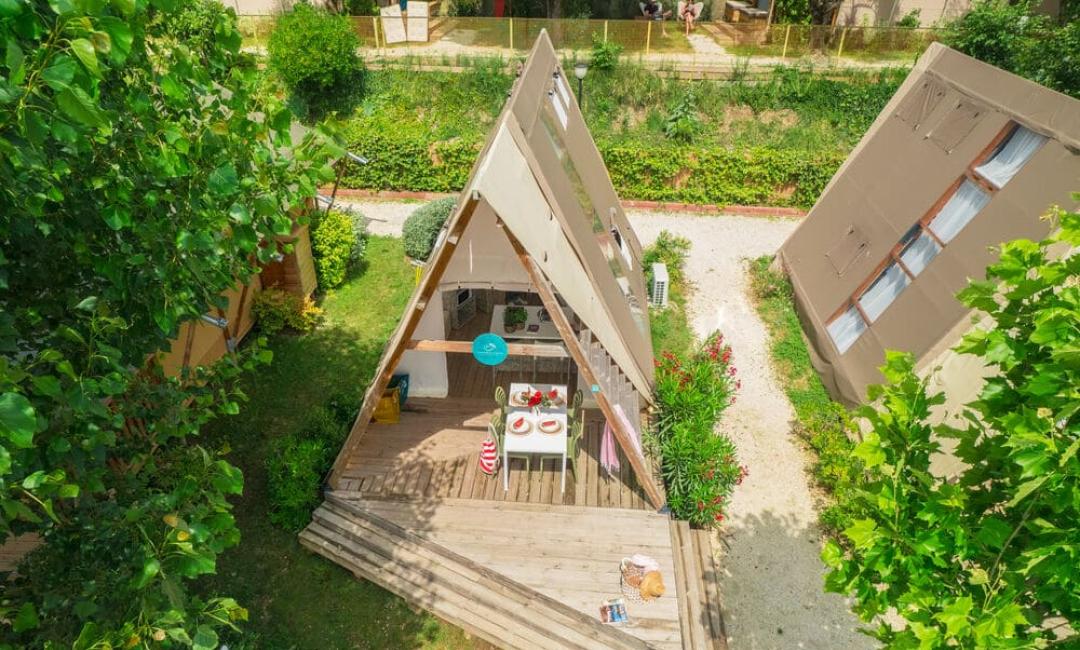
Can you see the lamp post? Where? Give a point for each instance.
(580, 70)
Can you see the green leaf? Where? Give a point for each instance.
(76, 104)
(17, 420)
(47, 385)
(150, 569)
(955, 616)
(869, 450)
(205, 638)
(1025, 489)
(979, 576)
(832, 555)
(126, 7)
(240, 213)
(68, 491)
(13, 57)
(223, 180)
(862, 533)
(116, 216)
(121, 36)
(1001, 624)
(62, 7)
(10, 8)
(26, 619)
(59, 73)
(84, 51)
(87, 304)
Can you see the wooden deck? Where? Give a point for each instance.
(434, 452)
(521, 568)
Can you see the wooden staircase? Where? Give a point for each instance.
(696, 578)
(463, 592)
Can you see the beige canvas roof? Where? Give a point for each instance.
(946, 118)
(539, 214)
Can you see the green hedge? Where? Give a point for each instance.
(756, 176)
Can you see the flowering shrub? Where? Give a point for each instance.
(698, 465)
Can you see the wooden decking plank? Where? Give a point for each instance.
(419, 587)
(528, 609)
(710, 578)
(468, 477)
(535, 480)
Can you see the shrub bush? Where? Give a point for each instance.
(698, 465)
(422, 227)
(755, 176)
(337, 245)
(276, 309)
(605, 55)
(297, 464)
(313, 52)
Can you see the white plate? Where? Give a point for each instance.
(526, 426)
(557, 427)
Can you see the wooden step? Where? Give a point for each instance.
(483, 602)
(696, 577)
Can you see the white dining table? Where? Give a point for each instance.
(535, 441)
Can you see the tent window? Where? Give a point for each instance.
(956, 125)
(623, 248)
(846, 328)
(1010, 156)
(920, 103)
(852, 247)
(958, 211)
(883, 291)
(918, 248)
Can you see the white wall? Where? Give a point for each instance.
(427, 370)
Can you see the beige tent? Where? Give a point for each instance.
(964, 157)
(538, 218)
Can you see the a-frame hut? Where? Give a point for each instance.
(538, 223)
(522, 559)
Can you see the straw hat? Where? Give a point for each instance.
(652, 585)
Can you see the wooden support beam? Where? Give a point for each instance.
(562, 324)
(429, 283)
(513, 349)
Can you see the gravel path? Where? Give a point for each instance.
(772, 577)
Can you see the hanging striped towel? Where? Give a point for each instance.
(609, 457)
(489, 456)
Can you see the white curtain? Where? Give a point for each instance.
(958, 211)
(1009, 158)
(919, 252)
(883, 291)
(846, 329)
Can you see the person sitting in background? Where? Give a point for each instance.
(651, 10)
(689, 12)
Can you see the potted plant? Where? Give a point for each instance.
(514, 318)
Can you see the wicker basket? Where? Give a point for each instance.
(630, 580)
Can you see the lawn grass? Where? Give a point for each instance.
(670, 327)
(296, 599)
(822, 424)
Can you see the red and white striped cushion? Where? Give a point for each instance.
(489, 456)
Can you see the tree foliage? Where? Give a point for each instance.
(1015, 38)
(141, 176)
(314, 53)
(988, 558)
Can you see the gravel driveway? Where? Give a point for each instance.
(772, 578)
